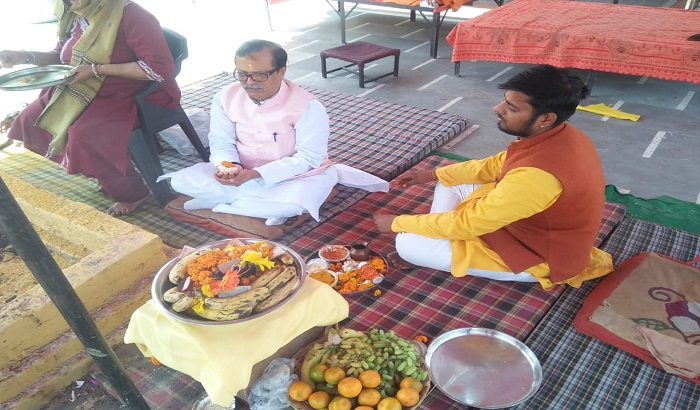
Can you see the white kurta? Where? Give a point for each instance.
(278, 193)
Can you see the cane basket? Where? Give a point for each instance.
(298, 359)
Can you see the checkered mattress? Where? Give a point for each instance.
(580, 372)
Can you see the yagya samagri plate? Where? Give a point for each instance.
(288, 262)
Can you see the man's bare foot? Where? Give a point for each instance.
(396, 262)
(124, 208)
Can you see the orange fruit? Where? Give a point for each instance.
(319, 399)
(316, 373)
(300, 391)
(364, 408)
(411, 382)
(333, 375)
(340, 403)
(408, 396)
(389, 403)
(349, 387)
(369, 397)
(370, 379)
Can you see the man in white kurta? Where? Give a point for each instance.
(269, 146)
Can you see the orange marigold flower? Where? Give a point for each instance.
(421, 338)
(377, 293)
(155, 361)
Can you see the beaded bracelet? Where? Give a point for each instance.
(94, 70)
(31, 58)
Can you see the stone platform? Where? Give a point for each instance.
(39, 354)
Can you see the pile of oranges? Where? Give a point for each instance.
(353, 393)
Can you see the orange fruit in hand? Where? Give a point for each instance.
(316, 373)
(333, 375)
(319, 399)
(369, 397)
(408, 396)
(411, 382)
(340, 403)
(300, 391)
(349, 387)
(370, 379)
(389, 403)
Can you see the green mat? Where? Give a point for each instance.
(662, 210)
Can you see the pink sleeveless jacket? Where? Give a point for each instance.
(266, 132)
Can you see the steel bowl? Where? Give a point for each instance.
(161, 283)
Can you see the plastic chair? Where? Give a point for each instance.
(143, 143)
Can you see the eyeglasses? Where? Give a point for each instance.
(257, 77)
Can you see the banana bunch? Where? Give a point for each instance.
(265, 292)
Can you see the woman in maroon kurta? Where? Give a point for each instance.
(96, 143)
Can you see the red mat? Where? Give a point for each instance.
(649, 307)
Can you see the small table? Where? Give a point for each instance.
(358, 54)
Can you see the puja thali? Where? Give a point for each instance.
(163, 284)
(36, 77)
(483, 368)
(346, 268)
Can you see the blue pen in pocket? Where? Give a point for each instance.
(274, 135)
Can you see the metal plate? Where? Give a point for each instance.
(35, 78)
(161, 283)
(483, 368)
(371, 254)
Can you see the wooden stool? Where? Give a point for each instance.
(360, 53)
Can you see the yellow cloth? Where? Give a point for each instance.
(523, 192)
(603, 109)
(222, 357)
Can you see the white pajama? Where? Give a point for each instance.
(436, 253)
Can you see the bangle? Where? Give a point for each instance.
(31, 58)
(433, 175)
(97, 68)
(94, 70)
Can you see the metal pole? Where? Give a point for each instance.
(16, 227)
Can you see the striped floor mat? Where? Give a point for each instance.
(580, 372)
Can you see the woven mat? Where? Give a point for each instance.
(382, 138)
(424, 301)
(585, 373)
(236, 226)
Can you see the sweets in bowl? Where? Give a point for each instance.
(334, 253)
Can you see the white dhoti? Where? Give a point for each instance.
(288, 198)
(411, 247)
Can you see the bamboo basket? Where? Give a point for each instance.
(299, 356)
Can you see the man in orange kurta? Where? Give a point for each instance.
(530, 213)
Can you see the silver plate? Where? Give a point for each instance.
(35, 78)
(483, 368)
(161, 283)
